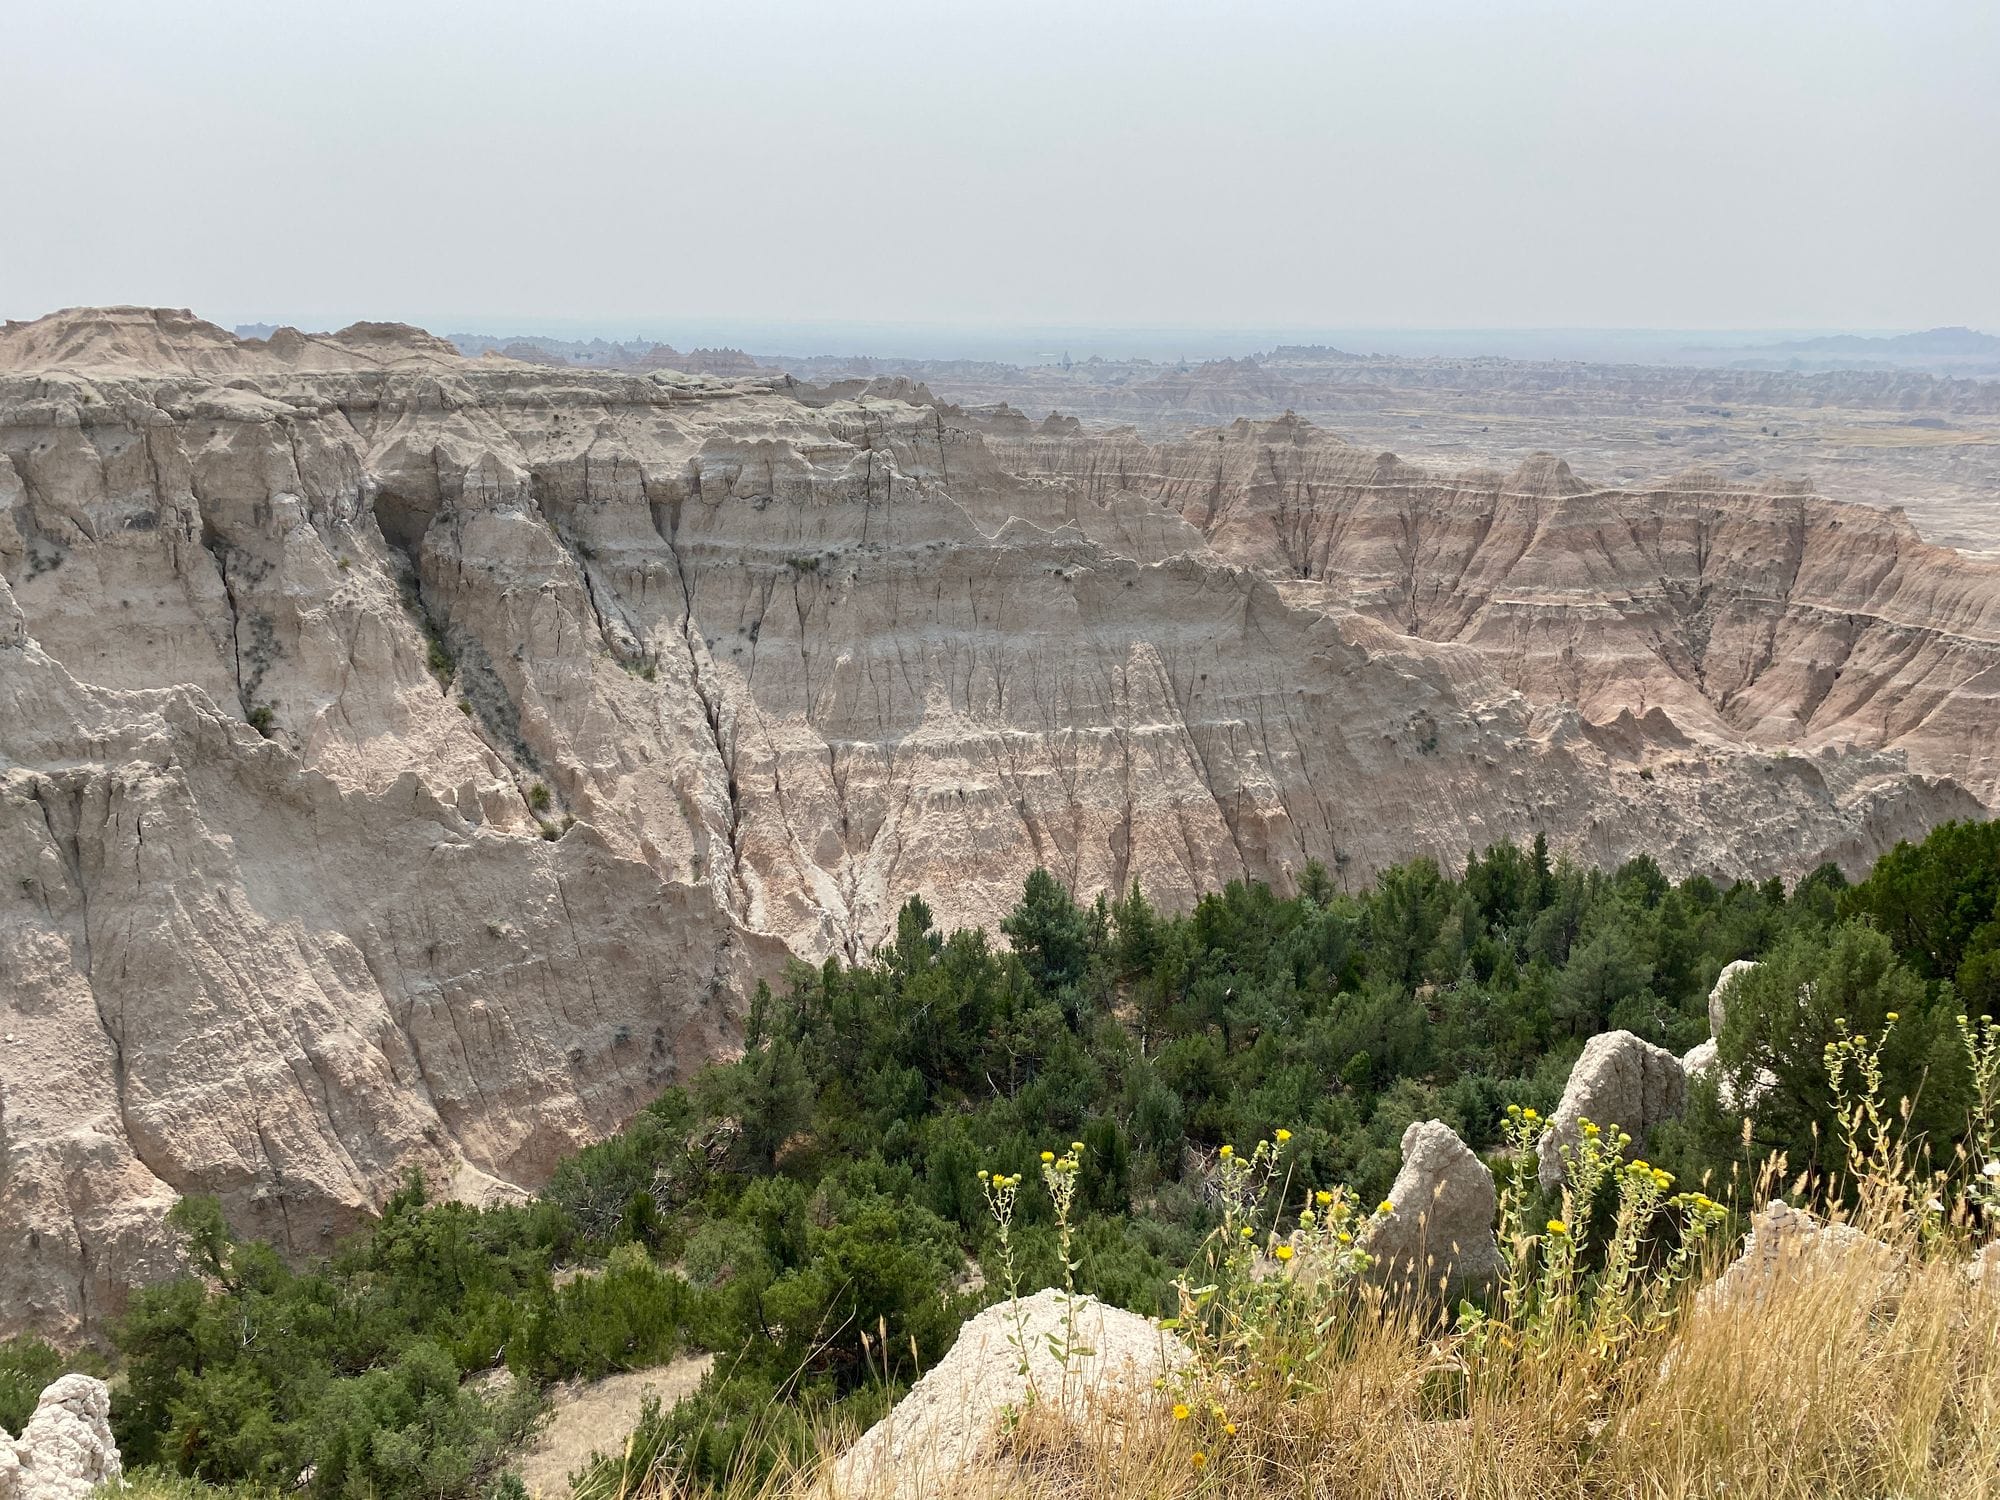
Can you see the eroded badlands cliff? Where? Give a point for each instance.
(411, 761)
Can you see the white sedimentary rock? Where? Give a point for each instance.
(1718, 995)
(1439, 1237)
(1783, 1241)
(1699, 1060)
(1621, 1082)
(66, 1450)
(946, 1428)
(1983, 1270)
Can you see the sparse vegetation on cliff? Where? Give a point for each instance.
(815, 1212)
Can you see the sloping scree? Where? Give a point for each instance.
(941, 1434)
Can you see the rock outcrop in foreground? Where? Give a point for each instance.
(412, 762)
(1784, 1242)
(66, 1450)
(947, 1427)
(1438, 1240)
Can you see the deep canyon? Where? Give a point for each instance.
(414, 761)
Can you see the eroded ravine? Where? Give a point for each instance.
(581, 699)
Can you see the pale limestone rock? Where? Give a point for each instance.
(947, 1428)
(1699, 1060)
(1439, 1238)
(66, 1451)
(1621, 1082)
(1718, 995)
(1983, 1270)
(1784, 1242)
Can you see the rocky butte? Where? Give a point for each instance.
(411, 761)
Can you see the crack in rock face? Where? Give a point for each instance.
(409, 761)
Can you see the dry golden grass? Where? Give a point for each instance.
(1816, 1386)
(1849, 1358)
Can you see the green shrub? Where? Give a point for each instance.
(629, 1315)
(27, 1366)
(822, 1190)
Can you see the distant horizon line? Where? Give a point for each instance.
(541, 326)
(640, 326)
(1029, 344)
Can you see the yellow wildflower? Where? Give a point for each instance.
(1284, 1252)
(1229, 1429)
(1387, 1206)
(1180, 1411)
(1048, 1156)
(1198, 1458)
(1228, 1151)
(1322, 1197)
(1283, 1136)
(1556, 1226)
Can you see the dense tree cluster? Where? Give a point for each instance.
(813, 1211)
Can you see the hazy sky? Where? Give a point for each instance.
(1676, 164)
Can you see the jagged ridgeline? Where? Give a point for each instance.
(819, 1211)
(414, 762)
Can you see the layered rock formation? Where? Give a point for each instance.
(1668, 617)
(1888, 437)
(411, 761)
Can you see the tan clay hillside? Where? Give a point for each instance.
(1761, 615)
(413, 761)
(1927, 443)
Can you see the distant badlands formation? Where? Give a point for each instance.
(409, 760)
